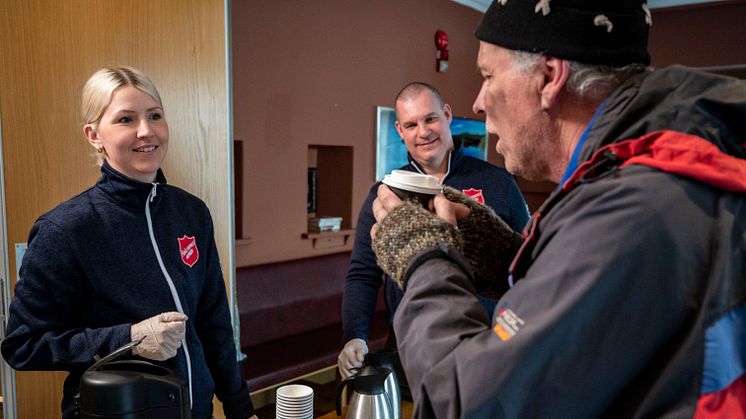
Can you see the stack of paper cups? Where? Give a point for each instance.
(294, 401)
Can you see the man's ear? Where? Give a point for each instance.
(92, 136)
(398, 129)
(448, 112)
(556, 73)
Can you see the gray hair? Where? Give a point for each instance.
(589, 81)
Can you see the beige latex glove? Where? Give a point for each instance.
(351, 356)
(161, 334)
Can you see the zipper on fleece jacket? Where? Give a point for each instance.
(171, 286)
(422, 172)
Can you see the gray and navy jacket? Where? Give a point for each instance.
(484, 182)
(102, 261)
(629, 296)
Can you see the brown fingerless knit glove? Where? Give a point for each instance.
(489, 244)
(406, 232)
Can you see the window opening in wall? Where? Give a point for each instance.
(329, 194)
(238, 186)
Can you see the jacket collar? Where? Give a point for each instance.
(677, 99)
(126, 191)
(455, 158)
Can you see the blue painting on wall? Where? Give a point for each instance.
(392, 154)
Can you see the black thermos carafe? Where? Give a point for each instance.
(132, 389)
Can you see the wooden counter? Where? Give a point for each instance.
(406, 412)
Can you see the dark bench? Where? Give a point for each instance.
(291, 318)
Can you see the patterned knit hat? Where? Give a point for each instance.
(607, 32)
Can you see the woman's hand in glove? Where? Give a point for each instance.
(161, 335)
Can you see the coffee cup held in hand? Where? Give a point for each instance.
(413, 186)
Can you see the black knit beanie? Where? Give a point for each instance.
(606, 32)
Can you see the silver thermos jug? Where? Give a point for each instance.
(386, 359)
(369, 399)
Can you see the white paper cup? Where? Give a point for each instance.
(294, 401)
(413, 186)
(294, 392)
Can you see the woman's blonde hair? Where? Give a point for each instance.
(100, 87)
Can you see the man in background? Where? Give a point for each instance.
(628, 296)
(423, 121)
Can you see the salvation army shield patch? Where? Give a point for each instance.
(188, 250)
(475, 194)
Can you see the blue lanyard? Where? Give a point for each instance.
(573, 164)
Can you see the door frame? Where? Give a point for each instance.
(7, 373)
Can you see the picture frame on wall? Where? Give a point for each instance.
(391, 153)
(390, 150)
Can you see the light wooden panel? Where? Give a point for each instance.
(48, 48)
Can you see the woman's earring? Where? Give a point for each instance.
(100, 150)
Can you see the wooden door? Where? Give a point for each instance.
(48, 48)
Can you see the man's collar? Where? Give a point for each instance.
(572, 165)
(455, 156)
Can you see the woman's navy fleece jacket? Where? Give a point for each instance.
(90, 272)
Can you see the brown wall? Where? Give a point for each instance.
(311, 73)
(47, 50)
(705, 35)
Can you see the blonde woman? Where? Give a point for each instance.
(129, 258)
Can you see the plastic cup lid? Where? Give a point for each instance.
(414, 182)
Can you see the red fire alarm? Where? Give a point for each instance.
(441, 51)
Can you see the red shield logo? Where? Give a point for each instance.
(188, 250)
(475, 194)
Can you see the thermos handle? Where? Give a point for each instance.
(340, 389)
(114, 355)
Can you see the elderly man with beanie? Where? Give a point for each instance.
(627, 296)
